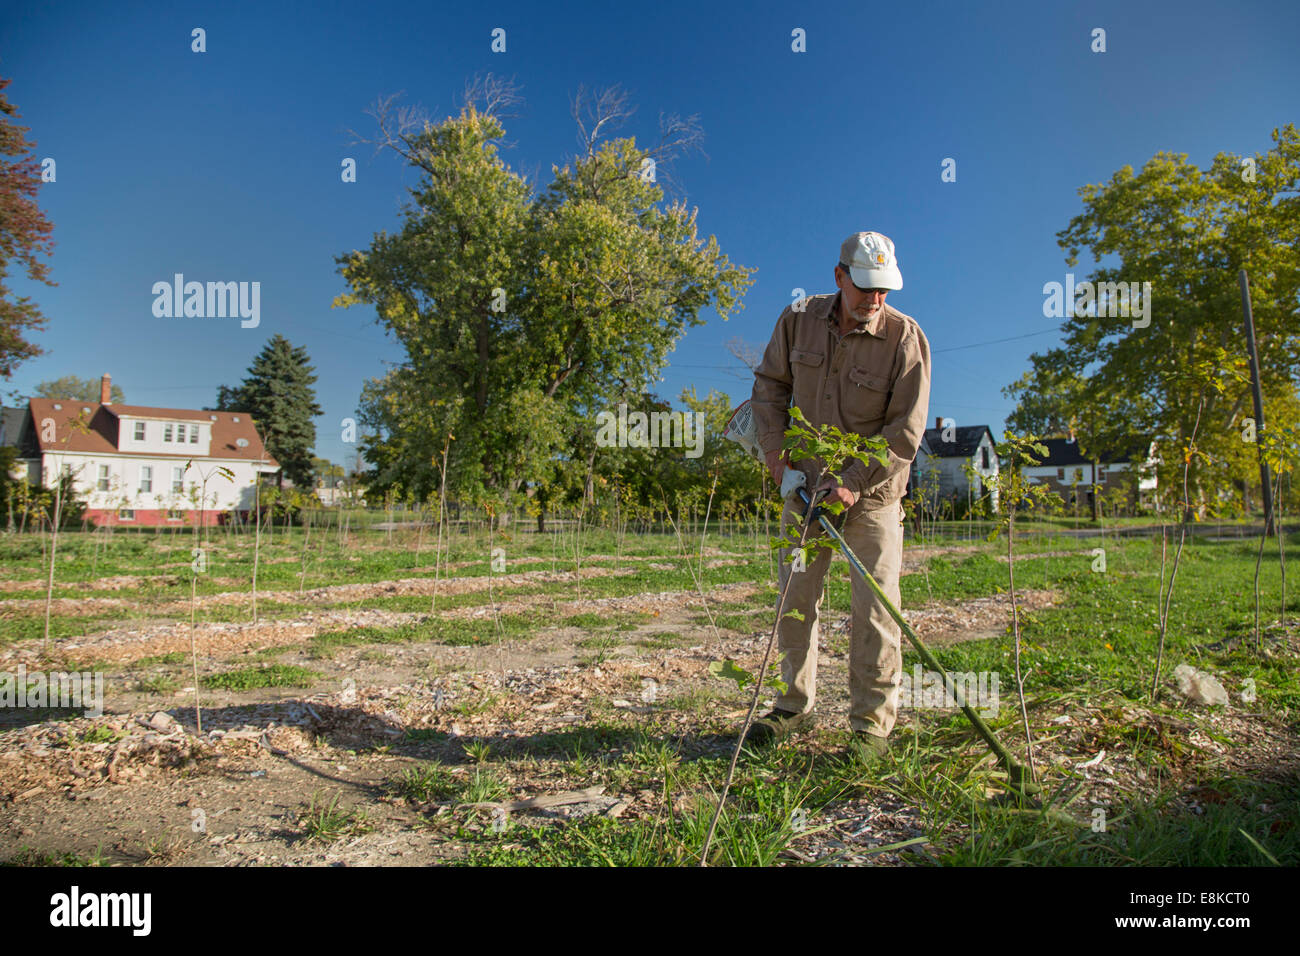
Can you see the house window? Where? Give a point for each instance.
(180, 432)
(103, 478)
(1060, 474)
(139, 431)
(984, 458)
(194, 434)
(167, 432)
(1078, 474)
(146, 479)
(175, 514)
(178, 479)
(126, 514)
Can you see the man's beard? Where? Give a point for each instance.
(865, 313)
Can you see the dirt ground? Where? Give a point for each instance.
(141, 785)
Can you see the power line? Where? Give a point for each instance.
(975, 345)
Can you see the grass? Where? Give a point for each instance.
(427, 783)
(157, 684)
(324, 822)
(31, 857)
(272, 675)
(101, 735)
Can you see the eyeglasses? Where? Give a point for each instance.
(849, 275)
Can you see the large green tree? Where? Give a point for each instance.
(522, 312)
(279, 396)
(78, 389)
(1187, 232)
(24, 234)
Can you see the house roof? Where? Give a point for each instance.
(1062, 451)
(101, 423)
(966, 439)
(16, 432)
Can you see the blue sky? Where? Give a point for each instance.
(224, 165)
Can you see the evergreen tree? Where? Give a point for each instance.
(278, 394)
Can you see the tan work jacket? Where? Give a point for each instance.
(875, 380)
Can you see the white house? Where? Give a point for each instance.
(939, 470)
(1070, 474)
(136, 465)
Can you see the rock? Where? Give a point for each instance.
(1199, 687)
(162, 721)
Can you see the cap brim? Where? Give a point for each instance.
(890, 279)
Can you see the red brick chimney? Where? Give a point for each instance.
(105, 391)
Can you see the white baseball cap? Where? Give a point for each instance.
(871, 261)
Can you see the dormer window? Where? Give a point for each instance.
(167, 431)
(194, 434)
(139, 431)
(235, 418)
(180, 433)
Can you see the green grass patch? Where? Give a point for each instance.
(273, 675)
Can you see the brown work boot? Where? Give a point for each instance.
(867, 748)
(776, 724)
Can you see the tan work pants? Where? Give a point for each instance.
(875, 654)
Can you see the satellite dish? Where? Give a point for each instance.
(241, 442)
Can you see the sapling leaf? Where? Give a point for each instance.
(794, 613)
(728, 670)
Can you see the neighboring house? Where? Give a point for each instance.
(128, 462)
(1069, 473)
(16, 432)
(938, 472)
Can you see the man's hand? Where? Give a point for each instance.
(776, 464)
(838, 493)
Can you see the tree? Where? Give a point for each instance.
(325, 469)
(522, 314)
(1056, 400)
(78, 390)
(1186, 232)
(24, 234)
(278, 394)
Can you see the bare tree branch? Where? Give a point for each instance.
(603, 107)
(493, 96)
(398, 128)
(747, 352)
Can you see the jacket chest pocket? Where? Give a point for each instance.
(806, 367)
(866, 396)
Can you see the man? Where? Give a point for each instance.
(852, 361)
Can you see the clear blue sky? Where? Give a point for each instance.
(225, 165)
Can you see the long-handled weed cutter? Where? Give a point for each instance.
(741, 429)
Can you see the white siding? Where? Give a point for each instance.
(124, 482)
(153, 437)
